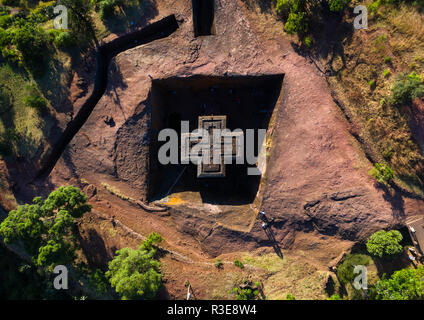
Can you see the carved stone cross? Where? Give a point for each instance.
(229, 147)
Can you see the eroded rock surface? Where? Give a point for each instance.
(317, 173)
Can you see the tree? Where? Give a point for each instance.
(405, 284)
(297, 23)
(384, 243)
(46, 228)
(345, 271)
(32, 42)
(81, 21)
(135, 273)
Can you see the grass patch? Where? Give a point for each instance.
(116, 192)
(25, 122)
(391, 39)
(291, 275)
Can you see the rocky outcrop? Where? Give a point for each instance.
(317, 176)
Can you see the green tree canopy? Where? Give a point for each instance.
(345, 269)
(405, 284)
(46, 228)
(135, 273)
(32, 41)
(385, 243)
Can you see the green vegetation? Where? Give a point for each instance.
(405, 284)
(382, 173)
(335, 297)
(135, 273)
(98, 281)
(219, 264)
(238, 263)
(387, 73)
(385, 243)
(292, 274)
(246, 291)
(63, 39)
(407, 88)
(298, 14)
(107, 8)
(22, 281)
(5, 98)
(8, 141)
(34, 98)
(46, 228)
(345, 269)
(32, 43)
(290, 297)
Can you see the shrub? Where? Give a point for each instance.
(10, 3)
(283, 8)
(297, 23)
(5, 21)
(36, 102)
(338, 5)
(219, 264)
(32, 42)
(346, 268)
(335, 297)
(382, 173)
(5, 98)
(388, 59)
(7, 140)
(107, 8)
(407, 87)
(307, 42)
(65, 39)
(12, 55)
(245, 294)
(386, 73)
(289, 296)
(34, 99)
(98, 281)
(384, 243)
(238, 264)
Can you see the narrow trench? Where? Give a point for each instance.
(203, 17)
(179, 99)
(157, 30)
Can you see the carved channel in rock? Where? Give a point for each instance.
(247, 102)
(204, 17)
(104, 55)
